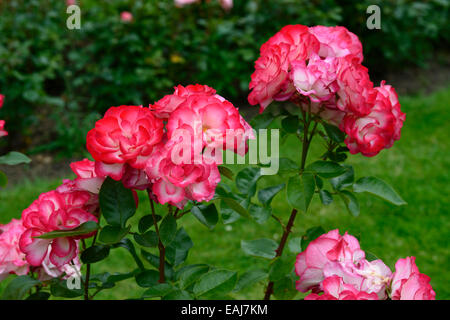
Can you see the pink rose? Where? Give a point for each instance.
(327, 248)
(301, 43)
(126, 16)
(409, 284)
(270, 80)
(377, 130)
(337, 42)
(2, 131)
(370, 277)
(48, 270)
(164, 107)
(355, 88)
(54, 211)
(226, 4)
(212, 122)
(271, 73)
(12, 260)
(335, 289)
(126, 134)
(317, 79)
(177, 177)
(87, 179)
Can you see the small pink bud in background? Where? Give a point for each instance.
(182, 3)
(126, 16)
(226, 4)
(71, 2)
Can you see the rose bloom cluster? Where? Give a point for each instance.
(171, 148)
(334, 267)
(320, 69)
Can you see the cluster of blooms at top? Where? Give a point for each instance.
(336, 266)
(135, 145)
(319, 68)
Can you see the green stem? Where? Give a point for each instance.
(305, 147)
(162, 250)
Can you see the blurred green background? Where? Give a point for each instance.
(57, 82)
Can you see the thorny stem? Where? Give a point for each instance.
(162, 250)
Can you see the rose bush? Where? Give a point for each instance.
(173, 149)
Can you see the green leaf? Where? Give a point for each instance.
(310, 235)
(334, 133)
(190, 274)
(345, 180)
(128, 245)
(286, 165)
(13, 158)
(147, 239)
(290, 124)
(146, 222)
(158, 290)
(108, 280)
(147, 278)
(319, 182)
(206, 214)
(224, 171)
(178, 295)
(95, 253)
(266, 195)
(236, 206)
(154, 261)
(228, 214)
(295, 245)
(39, 296)
(300, 191)
(246, 180)
(284, 289)
(261, 121)
(58, 288)
(280, 268)
(326, 197)
(351, 202)
(370, 256)
(112, 234)
(260, 214)
(84, 228)
(3, 179)
(249, 278)
(18, 288)
(116, 202)
(326, 169)
(168, 229)
(177, 251)
(215, 282)
(379, 188)
(264, 248)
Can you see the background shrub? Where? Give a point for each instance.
(58, 81)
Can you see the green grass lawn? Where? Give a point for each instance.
(417, 166)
